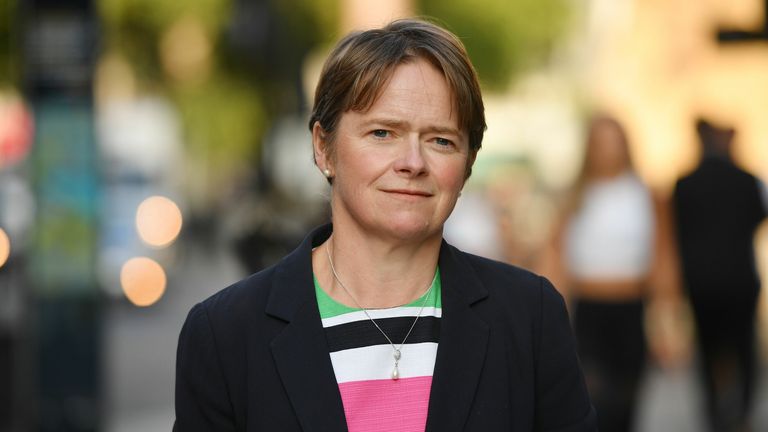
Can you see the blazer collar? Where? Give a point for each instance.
(463, 343)
(293, 284)
(301, 352)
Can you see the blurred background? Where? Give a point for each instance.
(153, 152)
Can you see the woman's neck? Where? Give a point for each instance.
(377, 273)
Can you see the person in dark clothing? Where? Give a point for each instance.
(718, 207)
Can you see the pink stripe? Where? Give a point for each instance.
(386, 405)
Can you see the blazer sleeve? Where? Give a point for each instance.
(562, 400)
(202, 397)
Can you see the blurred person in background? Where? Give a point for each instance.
(606, 248)
(718, 207)
(375, 323)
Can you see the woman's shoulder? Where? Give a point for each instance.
(483, 265)
(517, 300)
(230, 308)
(277, 290)
(508, 280)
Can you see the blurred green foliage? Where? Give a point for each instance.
(134, 27)
(503, 37)
(159, 14)
(224, 119)
(315, 21)
(9, 65)
(258, 47)
(255, 75)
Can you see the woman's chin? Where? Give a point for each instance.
(412, 230)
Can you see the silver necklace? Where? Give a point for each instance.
(395, 350)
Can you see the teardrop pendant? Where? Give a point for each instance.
(395, 373)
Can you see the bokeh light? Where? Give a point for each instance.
(5, 247)
(143, 281)
(186, 50)
(158, 221)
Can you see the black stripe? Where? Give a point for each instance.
(359, 334)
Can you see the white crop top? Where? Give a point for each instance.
(611, 235)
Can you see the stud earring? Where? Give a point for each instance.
(327, 173)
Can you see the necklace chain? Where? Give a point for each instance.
(395, 350)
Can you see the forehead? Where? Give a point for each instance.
(416, 91)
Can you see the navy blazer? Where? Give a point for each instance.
(254, 357)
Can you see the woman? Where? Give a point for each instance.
(374, 323)
(608, 242)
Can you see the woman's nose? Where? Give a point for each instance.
(411, 160)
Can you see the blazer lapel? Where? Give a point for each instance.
(300, 351)
(462, 349)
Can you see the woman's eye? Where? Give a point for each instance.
(443, 141)
(380, 133)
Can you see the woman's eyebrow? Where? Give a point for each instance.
(403, 124)
(446, 130)
(390, 123)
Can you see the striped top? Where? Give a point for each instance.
(363, 361)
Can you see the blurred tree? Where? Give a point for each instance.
(503, 37)
(231, 66)
(269, 41)
(134, 27)
(9, 69)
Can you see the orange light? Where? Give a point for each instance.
(5, 247)
(158, 221)
(143, 281)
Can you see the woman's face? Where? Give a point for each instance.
(398, 168)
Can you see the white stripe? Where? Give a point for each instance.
(376, 362)
(381, 313)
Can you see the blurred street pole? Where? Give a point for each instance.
(58, 51)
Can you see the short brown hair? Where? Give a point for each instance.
(361, 64)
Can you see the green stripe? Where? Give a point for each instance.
(331, 308)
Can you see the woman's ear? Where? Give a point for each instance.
(320, 149)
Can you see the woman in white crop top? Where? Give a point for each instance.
(607, 246)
